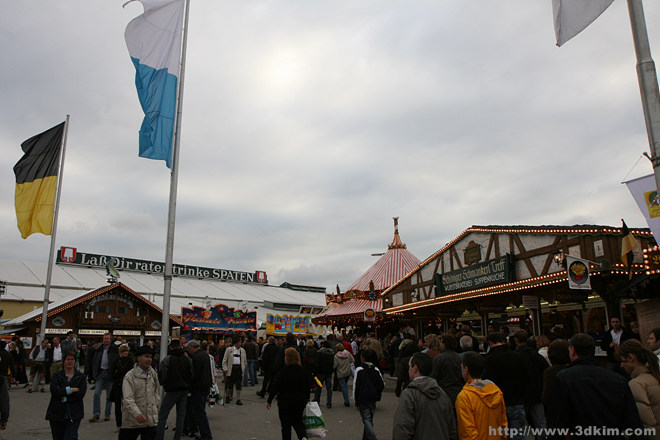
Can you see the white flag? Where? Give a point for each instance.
(645, 194)
(573, 16)
(578, 273)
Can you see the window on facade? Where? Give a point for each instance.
(102, 309)
(121, 310)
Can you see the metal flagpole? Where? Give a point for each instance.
(51, 255)
(169, 247)
(648, 82)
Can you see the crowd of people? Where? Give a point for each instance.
(525, 386)
(449, 386)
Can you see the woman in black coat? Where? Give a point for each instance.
(122, 365)
(403, 379)
(291, 387)
(66, 410)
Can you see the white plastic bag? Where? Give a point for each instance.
(214, 396)
(313, 420)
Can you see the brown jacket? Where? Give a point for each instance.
(646, 390)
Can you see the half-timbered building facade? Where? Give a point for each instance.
(487, 271)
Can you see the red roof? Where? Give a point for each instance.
(396, 263)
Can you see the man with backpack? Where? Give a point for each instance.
(367, 390)
(326, 359)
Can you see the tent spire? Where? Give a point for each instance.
(396, 241)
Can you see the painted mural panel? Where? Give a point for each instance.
(280, 325)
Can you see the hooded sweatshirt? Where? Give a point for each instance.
(480, 406)
(342, 363)
(424, 412)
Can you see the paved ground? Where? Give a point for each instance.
(252, 421)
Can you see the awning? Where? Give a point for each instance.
(351, 307)
(9, 331)
(356, 306)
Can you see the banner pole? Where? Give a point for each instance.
(51, 255)
(648, 82)
(171, 218)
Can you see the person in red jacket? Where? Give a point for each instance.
(346, 344)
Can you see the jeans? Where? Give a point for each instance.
(326, 381)
(171, 398)
(64, 430)
(251, 370)
(103, 381)
(198, 411)
(344, 389)
(515, 416)
(367, 413)
(536, 417)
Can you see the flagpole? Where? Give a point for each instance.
(51, 255)
(648, 82)
(171, 217)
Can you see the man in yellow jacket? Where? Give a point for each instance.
(480, 408)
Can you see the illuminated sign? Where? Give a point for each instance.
(218, 319)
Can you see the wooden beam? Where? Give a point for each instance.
(550, 257)
(490, 246)
(565, 244)
(528, 262)
(456, 258)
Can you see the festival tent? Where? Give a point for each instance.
(362, 295)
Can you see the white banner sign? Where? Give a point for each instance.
(645, 194)
(58, 331)
(92, 332)
(127, 333)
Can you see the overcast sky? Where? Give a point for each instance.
(309, 124)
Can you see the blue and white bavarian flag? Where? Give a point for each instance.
(154, 43)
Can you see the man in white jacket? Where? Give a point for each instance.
(233, 365)
(140, 402)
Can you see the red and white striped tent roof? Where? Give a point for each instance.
(396, 263)
(355, 306)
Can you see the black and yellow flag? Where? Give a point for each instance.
(36, 181)
(628, 244)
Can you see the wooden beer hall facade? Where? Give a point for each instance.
(114, 308)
